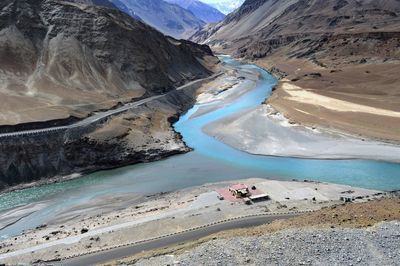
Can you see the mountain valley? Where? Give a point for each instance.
(199, 132)
(347, 51)
(59, 65)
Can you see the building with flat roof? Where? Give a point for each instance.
(259, 197)
(240, 190)
(242, 193)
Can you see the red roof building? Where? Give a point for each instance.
(240, 190)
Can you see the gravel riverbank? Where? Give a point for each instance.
(110, 222)
(376, 245)
(262, 131)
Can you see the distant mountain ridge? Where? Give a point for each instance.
(114, 4)
(225, 6)
(168, 18)
(201, 10)
(261, 27)
(340, 50)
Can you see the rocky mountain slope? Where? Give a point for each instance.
(104, 3)
(263, 26)
(168, 18)
(61, 61)
(201, 10)
(64, 59)
(344, 49)
(141, 134)
(115, 4)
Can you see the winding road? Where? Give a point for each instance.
(101, 115)
(185, 236)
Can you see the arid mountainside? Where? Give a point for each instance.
(260, 27)
(168, 18)
(339, 57)
(201, 10)
(105, 3)
(61, 59)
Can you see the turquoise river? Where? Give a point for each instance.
(211, 161)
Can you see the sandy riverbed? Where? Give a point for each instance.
(265, 131)
(162, 214)
(360, 99)
(229, 87)
(298, 94)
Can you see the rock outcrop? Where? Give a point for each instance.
(141, 134)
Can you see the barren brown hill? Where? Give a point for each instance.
(344, 50)
(61, 59)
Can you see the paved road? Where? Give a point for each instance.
(117, 253)
(100, 115)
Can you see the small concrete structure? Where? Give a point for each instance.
(347, 198)
(259, 197)
(247, 201)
